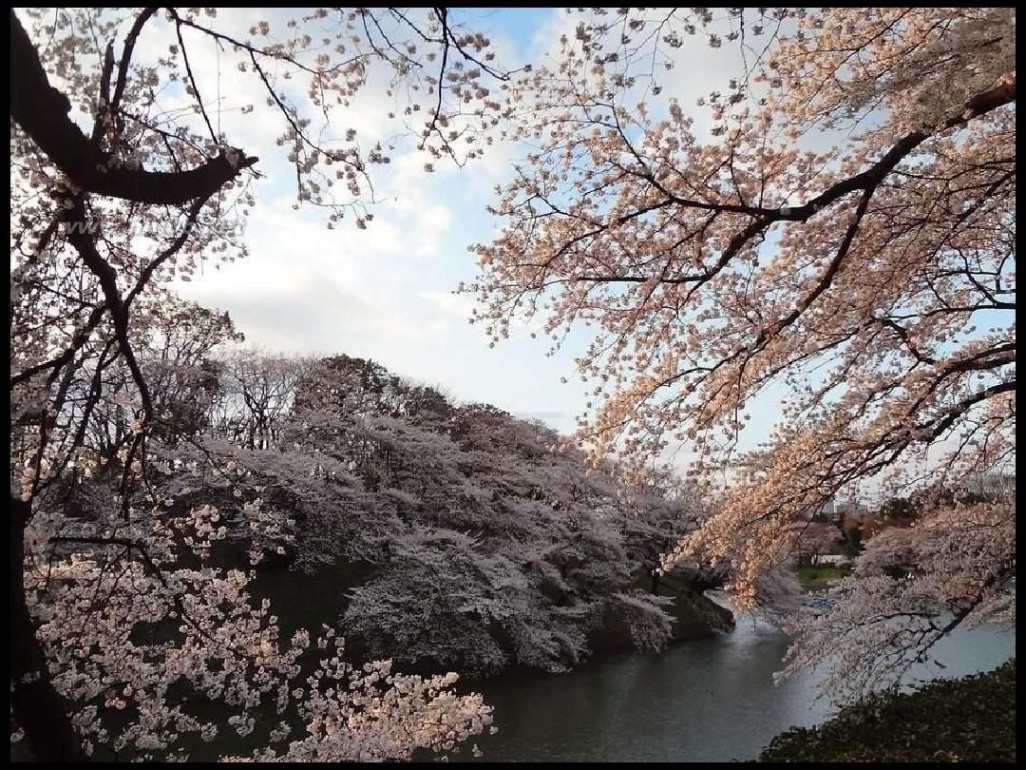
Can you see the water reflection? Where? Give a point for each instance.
(709, 700)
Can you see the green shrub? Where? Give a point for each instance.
(959, 720)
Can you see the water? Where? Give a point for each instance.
(709, 700)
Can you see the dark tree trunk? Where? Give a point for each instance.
(39, 711)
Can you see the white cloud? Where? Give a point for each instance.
(386, 292)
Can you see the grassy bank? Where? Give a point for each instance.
(960, 720)
(819, 577)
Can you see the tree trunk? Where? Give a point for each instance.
(39, 711)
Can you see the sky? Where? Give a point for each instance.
(386, 293)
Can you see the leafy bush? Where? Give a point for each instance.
(959, 720)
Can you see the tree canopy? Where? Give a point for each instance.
(843, 227)
(839, 220)
(122, 180)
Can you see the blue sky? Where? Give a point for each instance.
(386, 292)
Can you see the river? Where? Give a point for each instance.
(707, 700)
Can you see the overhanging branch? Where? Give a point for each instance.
(42, 112)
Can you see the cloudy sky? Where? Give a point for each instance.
(386, 292)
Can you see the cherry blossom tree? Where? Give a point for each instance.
(911, 586)
(178, 343)
(119, 651)
(490, 546)
(846, 230)
(462, 519)
(122, 182)
(816, 539)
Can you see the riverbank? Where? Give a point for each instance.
(710, 700)
(307, 600)
(695, 616)
(962, 720)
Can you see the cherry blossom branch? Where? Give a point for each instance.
(42, 112)
(56, 363)
(192, 80)
(128, 544)
(126, 57)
